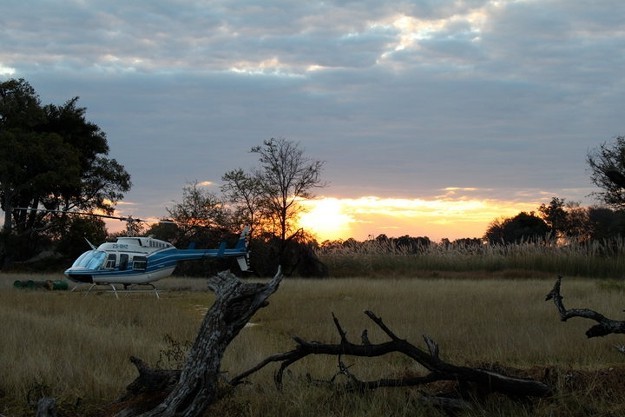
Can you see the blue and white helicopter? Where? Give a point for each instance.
(132, 260)
(137, 260)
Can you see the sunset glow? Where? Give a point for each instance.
(327, 219)
(453, 214)
(332, 218)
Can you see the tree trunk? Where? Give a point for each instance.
(235, 304)
(8, 212)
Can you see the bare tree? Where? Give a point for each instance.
(245, 193)
(268, 199)
(285, 177)
(199, 208)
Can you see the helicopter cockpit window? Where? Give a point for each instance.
(92, 259)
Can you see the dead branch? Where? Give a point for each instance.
(190, 391)
(604, 325)
(439, 370)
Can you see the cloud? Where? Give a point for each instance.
(400, 98)
(6, 71)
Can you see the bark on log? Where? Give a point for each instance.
(604, 326)
(196, 388)
(439, 370)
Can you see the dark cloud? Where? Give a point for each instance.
(399, 98)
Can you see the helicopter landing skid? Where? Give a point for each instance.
(128, 288)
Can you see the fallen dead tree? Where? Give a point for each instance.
(604, 326)
(190, 391)
(438, 370)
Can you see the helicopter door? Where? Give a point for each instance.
(123, 261)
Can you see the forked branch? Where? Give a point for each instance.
(604, 326)
(438, 369)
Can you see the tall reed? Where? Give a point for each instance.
(604, 259)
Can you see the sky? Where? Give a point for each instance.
(432, 117)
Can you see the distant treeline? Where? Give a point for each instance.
(559, 221)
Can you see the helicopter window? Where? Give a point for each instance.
(92, 259)
(110, 261)
(123, 262)
(140, 262)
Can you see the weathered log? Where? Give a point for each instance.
(196, 387)
(439, 370)
(604, 326)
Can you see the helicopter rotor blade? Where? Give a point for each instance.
(81, 213)
(128, 219)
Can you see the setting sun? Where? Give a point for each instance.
(326, 219)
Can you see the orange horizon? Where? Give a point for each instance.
(449, 216)
(331, 218)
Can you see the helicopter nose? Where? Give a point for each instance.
(79, 277)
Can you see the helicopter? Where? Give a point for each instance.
(139, 260)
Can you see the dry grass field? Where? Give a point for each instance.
(75, 347)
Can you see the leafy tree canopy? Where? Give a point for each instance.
(52, 158)
(524, 227)
(607, 164)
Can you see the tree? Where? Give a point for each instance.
(605, 223)
(33, 165)
(607, 164)
(285, 177)
(268, 197)
(20, 113)
(244, 192)
(199, 216)
(524, 227)
(71, 242)
(103, 181)
(555, 216)
(579, 227)
(468, 380)
(52, 157)
(190, 391)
